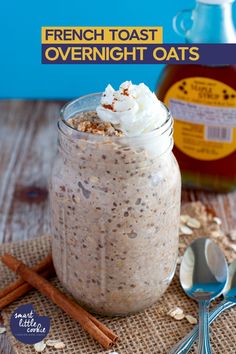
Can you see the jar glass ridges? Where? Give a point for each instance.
(115, 204)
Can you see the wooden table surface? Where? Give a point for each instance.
(28, 138)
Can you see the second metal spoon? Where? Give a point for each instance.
(229, 292)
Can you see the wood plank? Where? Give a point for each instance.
(28, 147)
(5, 346)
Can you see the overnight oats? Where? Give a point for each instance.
(115, 200)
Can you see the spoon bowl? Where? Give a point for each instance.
(229, 291)
(203, 271)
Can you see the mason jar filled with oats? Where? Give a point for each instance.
(115, 200)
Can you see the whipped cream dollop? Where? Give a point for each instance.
(133, 109)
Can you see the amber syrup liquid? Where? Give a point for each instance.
(220, 174)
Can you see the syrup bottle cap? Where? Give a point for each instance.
(215, 2)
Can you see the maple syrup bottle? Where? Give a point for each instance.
(202, 100)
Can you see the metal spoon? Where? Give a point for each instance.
(229, 292)
(203, 275)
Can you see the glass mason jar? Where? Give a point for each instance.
(115, 204)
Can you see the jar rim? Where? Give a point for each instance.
(68, 129)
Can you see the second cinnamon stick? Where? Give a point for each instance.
(65, 303)
(43, 265)
(21, 290)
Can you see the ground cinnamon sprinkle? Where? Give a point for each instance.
(108, 106)
(89, 122)
(125, 92)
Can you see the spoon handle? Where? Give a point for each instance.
(204, 346)
(185, 344)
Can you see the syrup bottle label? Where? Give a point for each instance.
(205, 117)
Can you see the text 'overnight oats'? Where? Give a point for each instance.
(115, 200)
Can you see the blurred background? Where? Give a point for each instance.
(23, 75)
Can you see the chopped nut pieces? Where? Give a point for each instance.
(191, 319)
(2, 330)
(90, 123)
(40, 346)
(97, 128)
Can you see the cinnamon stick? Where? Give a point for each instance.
(22, 289)
(44, 264)
(104, 336)
(109, 333)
